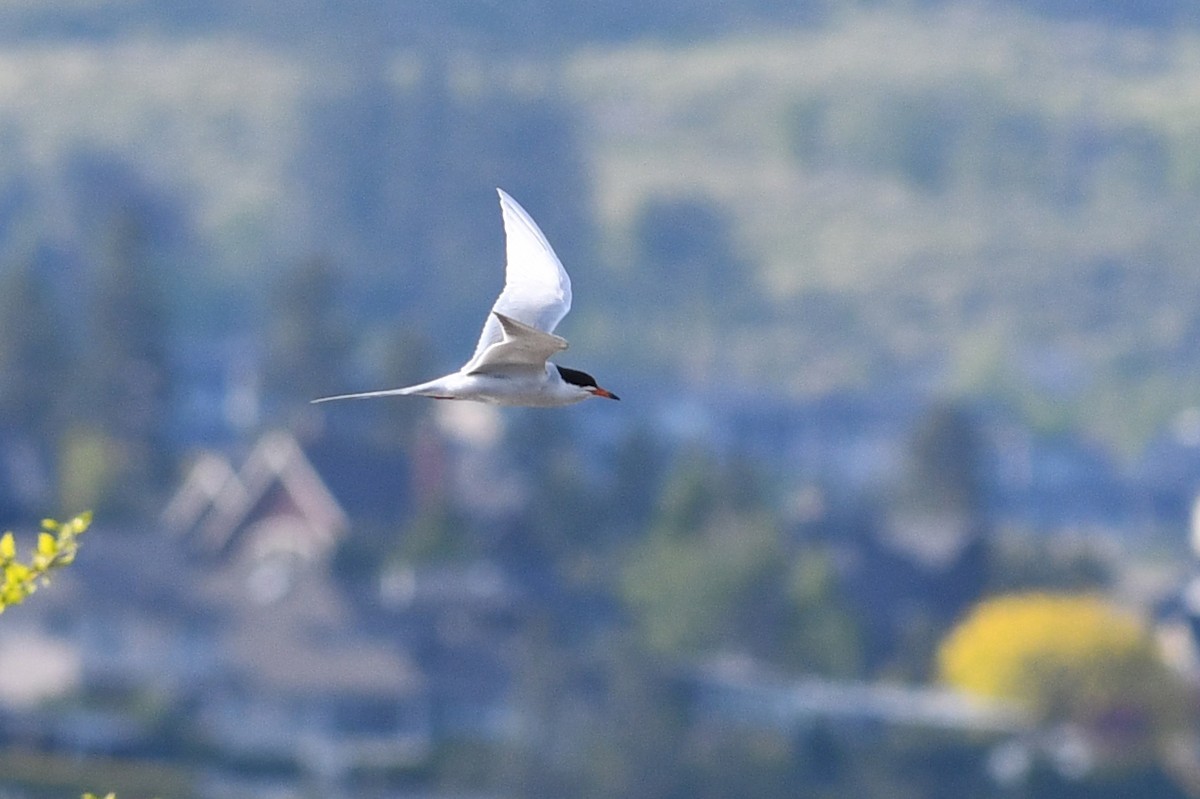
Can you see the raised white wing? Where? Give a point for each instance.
(537, 290)
(521, 349)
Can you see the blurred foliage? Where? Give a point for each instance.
(398, 358)
(56, 547)
(1029, 562)
(944, 464)
(129, 366)
(34, 354)
(307, 336)
(1069, 658)
(847, 196)
(876, 195)
(823, 635)
(691, 594)
(714, 570)
(1030, 241)
(688, 243)
(437, 532)
(88, 465)
(54, 776)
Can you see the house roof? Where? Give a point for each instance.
(215, 506)
(285, 627)
(210, 483)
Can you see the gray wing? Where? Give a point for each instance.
(521, 349)
(537, 290)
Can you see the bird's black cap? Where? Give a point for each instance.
(583, 380)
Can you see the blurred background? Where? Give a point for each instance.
(901, 299)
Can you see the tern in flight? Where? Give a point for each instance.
(511, 365)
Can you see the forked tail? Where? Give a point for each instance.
(430, 389)
(391, 392)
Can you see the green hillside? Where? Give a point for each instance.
(1000, 202)
(966, 198)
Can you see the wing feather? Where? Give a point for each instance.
(521, 348)
(537, 290)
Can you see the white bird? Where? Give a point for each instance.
(511, 365)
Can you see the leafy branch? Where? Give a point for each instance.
(57, 544)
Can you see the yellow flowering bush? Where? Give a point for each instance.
(57, 544)
(1006, 644)
(1068, 658)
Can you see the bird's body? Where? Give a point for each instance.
(511, 365)
(548, 392)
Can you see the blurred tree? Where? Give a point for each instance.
(638, 726)
(35, 391)
(564, 524)
(1070, 658)
(753, 762)
(699, 488)
(705, 591)
(407, 358)
(944, 463)
(307, 339)
(914, 138)
(688, 243)
(822, 635)
(544, 761)
(404, 165)
(911, 137)
(926, 558)
(715, 572)
(1037, 561)
(639, 470)
(356, 164)
(87, 473)
(34, 367)
(438, 532)
(129, 365)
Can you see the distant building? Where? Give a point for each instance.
(1178, 615)
(227, 617)
(738, 691)
(275, 504)
(295, 676)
